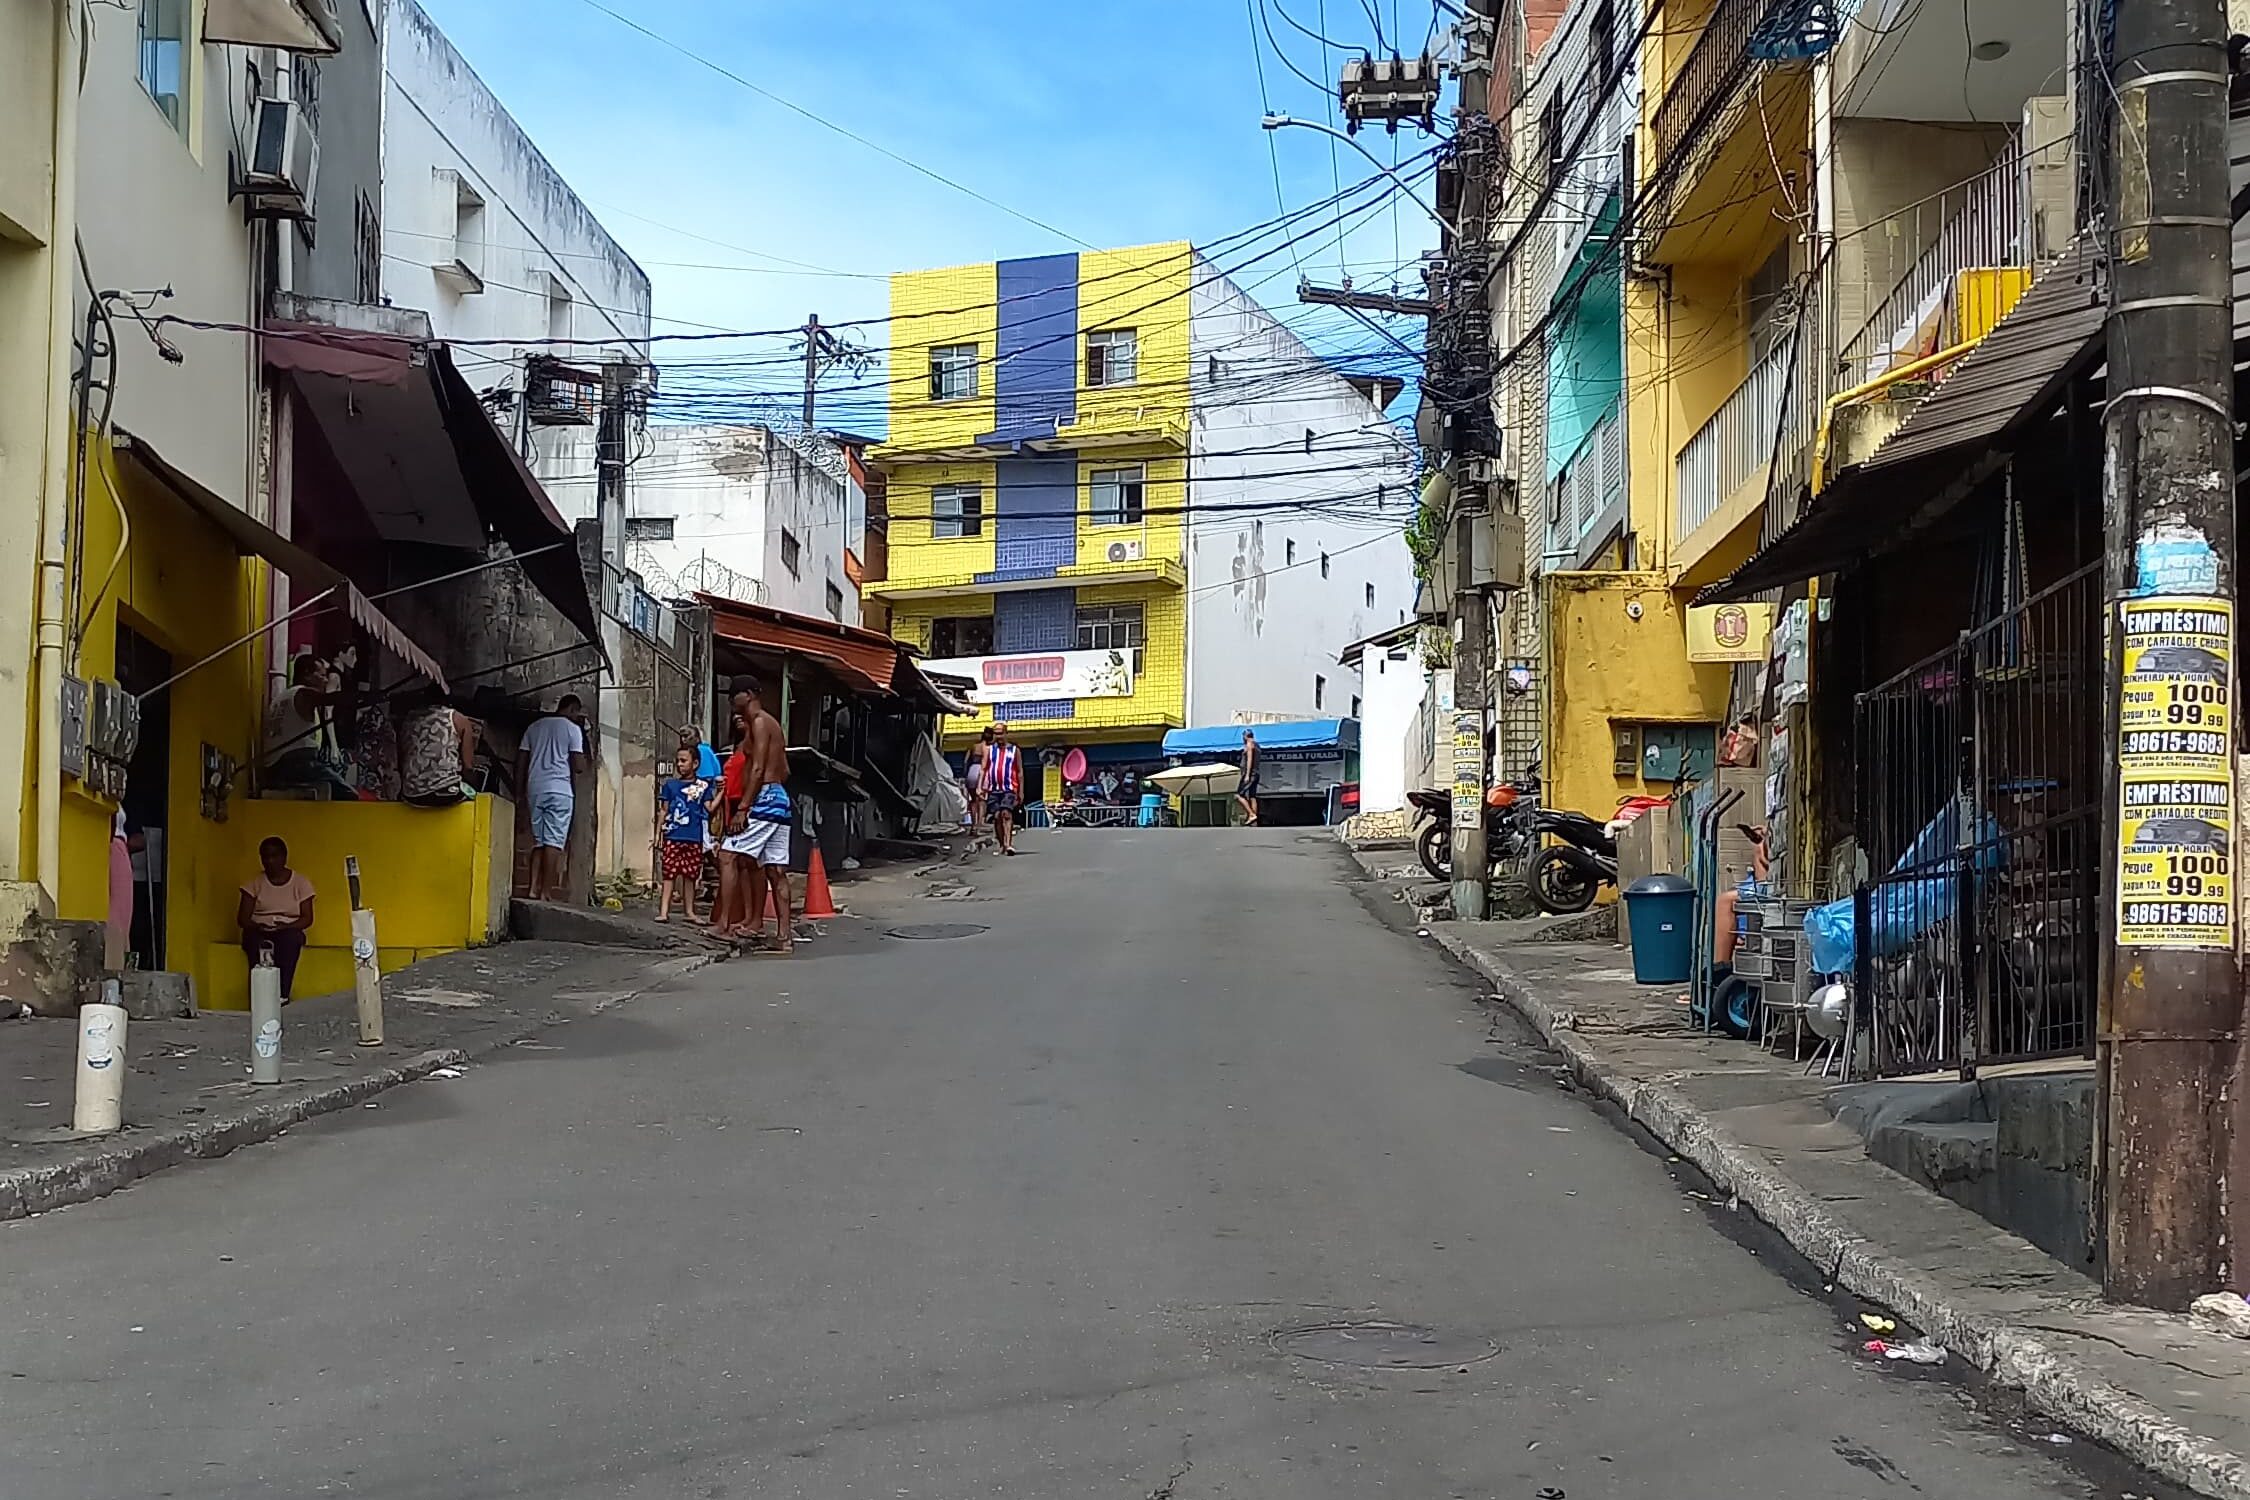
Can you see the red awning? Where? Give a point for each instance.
(424, 457)
(861, 658)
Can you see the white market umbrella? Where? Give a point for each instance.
(1211, 779)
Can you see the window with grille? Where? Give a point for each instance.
(1118, 496)
(956, 510)
(961, 635)
(792, 552)
(835, 599)
(1371, 596)
(1288, 554)
(953, 372)
(1319, 691)
(1324, 565)
(648, 528)
(1113, 627)
(1112, 357)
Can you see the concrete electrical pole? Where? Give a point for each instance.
(1472, 472)
(2171, 1002)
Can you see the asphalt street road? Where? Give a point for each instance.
(1113, 1198)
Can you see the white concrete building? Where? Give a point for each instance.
(1394, 686)
(1306, 490)
(746, 511)
(483, 234)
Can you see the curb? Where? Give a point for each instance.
(2056, 1385)
(120, 1161)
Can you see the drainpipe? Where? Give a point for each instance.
(1866, 388)
(54, 504)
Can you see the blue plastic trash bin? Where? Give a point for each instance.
(1661, 909)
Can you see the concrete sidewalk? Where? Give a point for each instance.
(188, 1094)
(2157, 1387)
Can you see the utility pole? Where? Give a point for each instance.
(823, 350)
(2171, 1009)
(814, 333)
(618, 381)
(1344, 296)
(1468, 389)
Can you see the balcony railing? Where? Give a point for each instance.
(1736, 443)
(1719, 61)
(1980, 222)
(1585, 490)
(1987, 220)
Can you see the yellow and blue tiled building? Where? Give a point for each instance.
(1026, 398)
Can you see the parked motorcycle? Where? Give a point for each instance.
(1566, 876)
(1507, 836)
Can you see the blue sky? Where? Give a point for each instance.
(1118, 122)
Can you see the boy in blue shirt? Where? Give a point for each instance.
(687, 799)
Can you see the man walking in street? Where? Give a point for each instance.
(1246, 794)
(551, 754)
(1003, 786)
(758, 820)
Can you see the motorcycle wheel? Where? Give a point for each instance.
(1435, 847)
(1559, 887)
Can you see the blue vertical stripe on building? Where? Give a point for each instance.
(1035, 526)
(1035, 369)
(1035, 620)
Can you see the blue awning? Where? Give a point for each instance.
(1299, 734)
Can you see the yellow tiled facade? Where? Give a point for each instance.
(1035, 438)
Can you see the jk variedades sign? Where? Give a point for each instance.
(1033, 676)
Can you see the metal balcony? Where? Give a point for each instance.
(1715, 67)
(1735, 444)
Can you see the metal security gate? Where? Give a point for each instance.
(1978, 800)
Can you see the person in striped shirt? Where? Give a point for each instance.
(1003, 786)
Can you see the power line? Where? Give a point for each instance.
(828, 124)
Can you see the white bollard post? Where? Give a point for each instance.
(265, 1019)
(99, 1106)
(367, 973)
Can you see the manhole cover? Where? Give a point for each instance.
(939, 930)
(1383, 1346)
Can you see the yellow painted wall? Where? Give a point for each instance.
(430, 875)
(183, 586)
(957, 305)
(1604, 667)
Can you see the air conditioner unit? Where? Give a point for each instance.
(284, 160)
(1124, 552)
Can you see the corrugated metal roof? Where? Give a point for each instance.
(2020, 367)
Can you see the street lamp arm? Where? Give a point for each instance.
(1276, 122)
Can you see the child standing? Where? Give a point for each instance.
(687, 808)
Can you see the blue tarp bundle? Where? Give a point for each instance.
(1900, 911)
(1299, 734)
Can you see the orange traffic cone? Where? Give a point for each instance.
(819, 905)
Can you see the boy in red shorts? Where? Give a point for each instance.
(687, 801)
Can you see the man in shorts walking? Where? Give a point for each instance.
(759, 818)
(1247, 793)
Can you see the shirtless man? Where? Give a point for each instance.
(758, 818)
